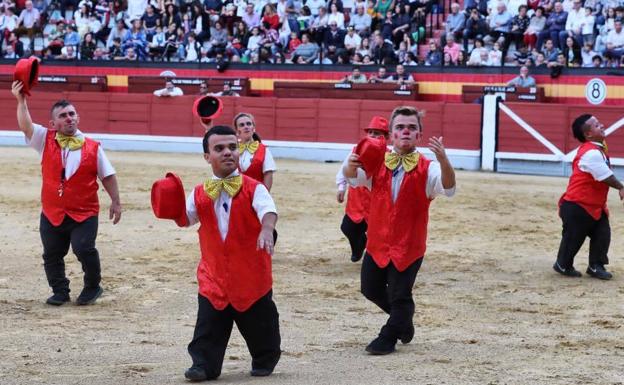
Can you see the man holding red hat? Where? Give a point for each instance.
(237, 217)
(70, 166)
(402, 184)
(358, 200)
(583, 207)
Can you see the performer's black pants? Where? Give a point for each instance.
(391, 290)
(577, 225)
(56, 241)
(259, 326)
(356, 234)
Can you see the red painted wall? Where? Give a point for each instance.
(310, 120)
(554, 122)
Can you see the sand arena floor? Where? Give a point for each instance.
(489, 308)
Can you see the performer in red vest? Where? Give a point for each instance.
(358, 200)
(403, 183)
(256, 160)
(237, 217)
(583, 207)
(71, 164)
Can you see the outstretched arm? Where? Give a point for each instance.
(110, 185)
(612, 181)
(24, 120)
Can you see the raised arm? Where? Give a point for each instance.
(24, 120)
(448, 173)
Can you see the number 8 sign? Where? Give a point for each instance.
(596, 91)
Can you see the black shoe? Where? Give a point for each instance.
(195, 373)
(599, 272)
(569, 272)
(380, 346)
(260, 372)
(58, 299)
(407, 336)
(355, 258)
(89, 295)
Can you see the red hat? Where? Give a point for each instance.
(372, 152)
(27, 71)
(378, 123)
(207, 108)
(168, 200)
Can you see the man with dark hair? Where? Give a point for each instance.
(237, 217)
(583, 207)
(402, 183)
(70, 166)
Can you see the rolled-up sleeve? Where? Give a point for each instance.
(434, 182)
(262, 202)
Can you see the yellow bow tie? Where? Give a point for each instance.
(251, 147)
(71, 142)
(409, 161)
(231, 186)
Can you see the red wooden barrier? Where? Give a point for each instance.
(309, 120)
(553, 121)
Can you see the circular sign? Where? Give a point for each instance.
(596, 91)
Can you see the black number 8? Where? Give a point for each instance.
(595, 92)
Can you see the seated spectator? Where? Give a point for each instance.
(400, 77)
(356, 76)
(227, 91)
(336, 17)
(203, 89)
(383, 51)
(115, 52)
(536, 25)
(81, 19)
(250, 17)
(500, 25)
(71, 37)
(476, 27)
(403, 50)
(352, 40)
(15, 43)
(294, 42)
(315, 6)
(434, 56)
(519, 25)
(540, 60)
(523, 80)
(495, 56)
(615, 41)
(560, 61)
(28, 22)
(455, 22)
(118, 32)
(572, 53)
(135, 38)
(150, 20)
(306, 52)
(191, 49)
(361, 21)
(169, 91)
(587, 26)
(555, 24)
(87, 47)
(334, 40)
(573, 25)
(9, 53)
(597, 61)
(319, 25)
(380, 77)
(270, 17)
(587, 54)
(253, 43)
(410, 60)
(8, 22)
(549, 51)
(100, 54)
(401, 22)
(478, 55)
(67, 53)
(452, 48)
(218, 39)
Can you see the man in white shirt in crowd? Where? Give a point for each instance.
(352, 40)
(583, 207)
(169, 90)
(361, 20)
(615, 40)
(574, 24)
(71, 164)
(523, 80)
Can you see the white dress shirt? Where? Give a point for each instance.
(433, 188)
(38, 141)
(245, 158)
(595, 163)
(175, 91)
(262, 204)
(341, 180)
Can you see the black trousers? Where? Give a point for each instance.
(391, 290)
(259, 326)
(577, 225)
(356, 234)
(56, 241)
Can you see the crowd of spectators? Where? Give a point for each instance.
(550, 33)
